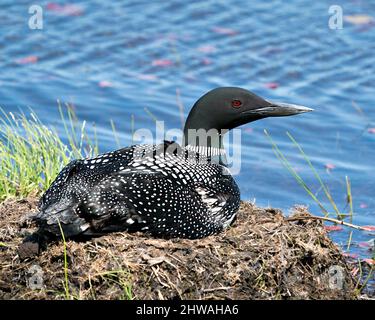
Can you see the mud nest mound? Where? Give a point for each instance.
(262, 256)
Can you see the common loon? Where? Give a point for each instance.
(166, 190)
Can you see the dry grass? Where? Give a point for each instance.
(263, 256)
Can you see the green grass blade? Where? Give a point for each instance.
(115, 134)
(66, 285)
(132, 128)
(316, 174)
(293, 172)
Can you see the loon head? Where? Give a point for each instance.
(226, 108)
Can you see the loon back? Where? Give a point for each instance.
(140, 188)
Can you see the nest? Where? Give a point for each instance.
(262, 256)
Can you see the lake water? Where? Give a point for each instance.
(112, 60)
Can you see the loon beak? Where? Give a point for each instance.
(279, 109)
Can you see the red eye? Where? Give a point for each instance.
(236, 103)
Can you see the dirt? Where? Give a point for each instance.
(262, 256)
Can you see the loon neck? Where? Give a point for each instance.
(209, 144)
(203, 136)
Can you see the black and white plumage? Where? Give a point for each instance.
(165, 194)
(167, 190)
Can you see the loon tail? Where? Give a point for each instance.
(56, 222)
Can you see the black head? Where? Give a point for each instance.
(229, 107)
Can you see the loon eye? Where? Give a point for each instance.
(236, 103)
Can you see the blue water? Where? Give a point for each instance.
(111, 60)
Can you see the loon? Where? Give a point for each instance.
(167, 190)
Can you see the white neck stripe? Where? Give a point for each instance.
(207, 151)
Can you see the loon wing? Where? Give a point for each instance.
(159, 204)
(60, 202)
